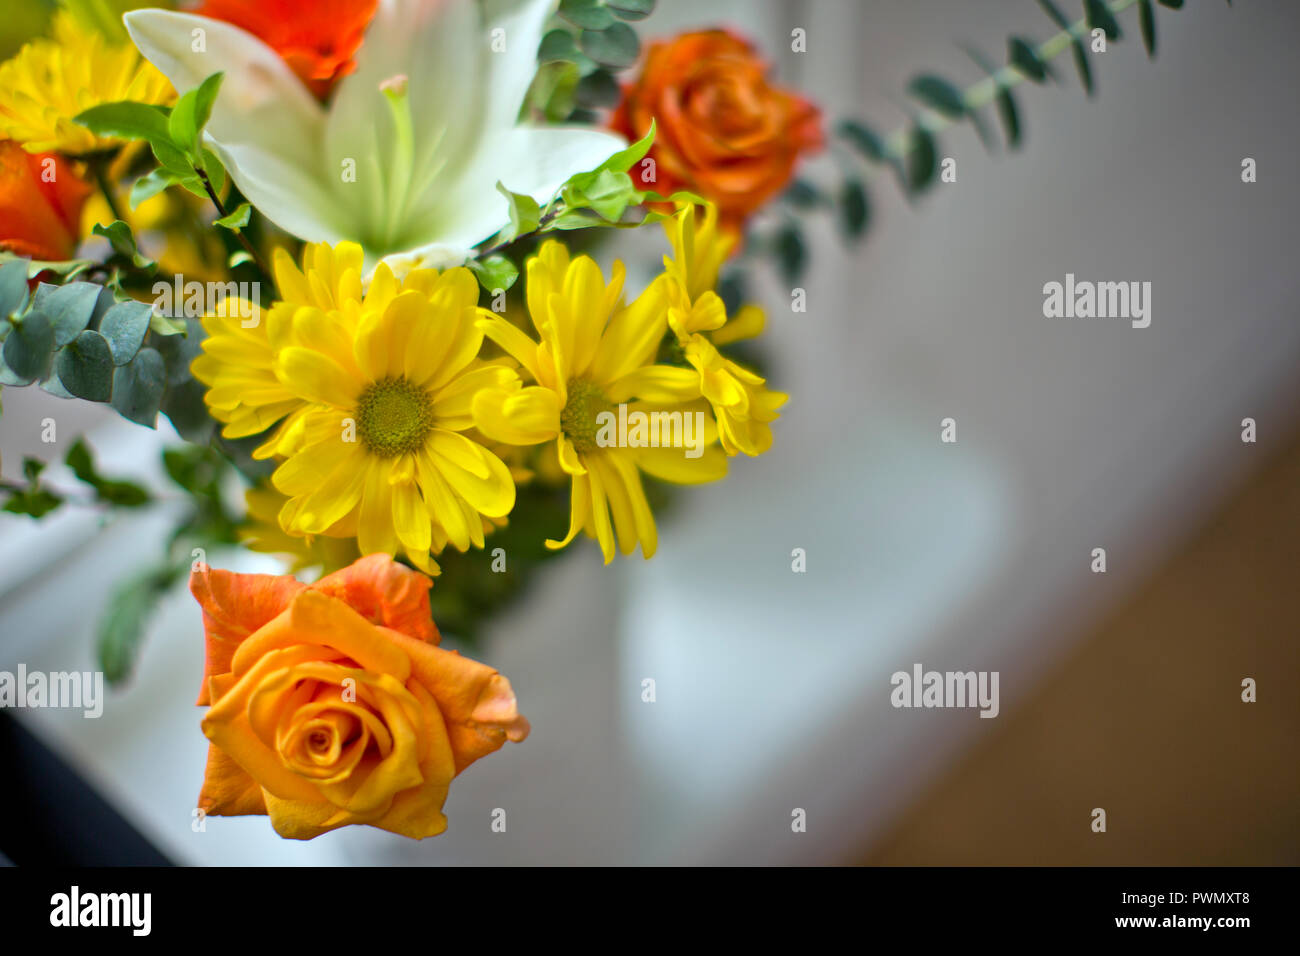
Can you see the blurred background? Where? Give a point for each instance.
(1119, 690)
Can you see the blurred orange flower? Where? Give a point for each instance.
(722, 130)
(317, 38)
(41, 197)
(332, 704)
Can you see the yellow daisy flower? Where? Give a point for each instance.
(238, 361)
(593, 353)
(387, 380)
(53, 79)
(741, 401)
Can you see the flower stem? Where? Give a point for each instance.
(99, 169)
(221, 211)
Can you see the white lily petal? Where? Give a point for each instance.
(513, 67)
(535, 162)
(265, 126)
(538, 161)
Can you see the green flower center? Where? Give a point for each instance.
(394, 417)
(578, 419)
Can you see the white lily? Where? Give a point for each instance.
(406, 156)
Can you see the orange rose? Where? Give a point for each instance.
(332, 704)
(40, 203)
(722, 130)
(316, 38)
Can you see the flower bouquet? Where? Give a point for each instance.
(347, 252)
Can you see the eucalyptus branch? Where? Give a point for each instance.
(899, 144)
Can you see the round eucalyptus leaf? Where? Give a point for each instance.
(616, 46)
(138, 387)
(29, 347)
(85, 367)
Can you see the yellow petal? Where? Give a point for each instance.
(317, 378)
(526, 416)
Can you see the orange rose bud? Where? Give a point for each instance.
(40, 203)
(722, 130)
(332, 704)
(316, 38)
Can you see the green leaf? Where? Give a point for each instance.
(69, 307)
(79, 460)
(575, 219)
(122, 628)
(631, 9)
(215, 171)
(598, 89)
(1172, 4)
(609, 195)
(1147, 20)
(85, 367)
(803, 195)
(921, 159)
(854, 209)
(126, 120)
(553, 89)
(579, 185)
(620, 162)
(36, 502)
(1010, 117)
(863, 139)
(1081, 64)
(138, 387)
(1099, 16)
(124, 327)
(32, 468)
(29, 347)
(204, 99)
(1050, 9)
(66, 268)
(982, 130)
(13, 287)
(558, 44)
(146, 187)
(938, 94)
(790, 253)
(588, 14)
(615, 46)
(122, 240)
(1021, 55)
(124, 494)
(175, 161)
(525, 214)
(238, 219)
(190, 115)
(495, 273)
(183, 405)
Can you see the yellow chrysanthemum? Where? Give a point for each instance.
(592, 354)
(238, 364)
(53, 79)
(741, 401)
(386, 381)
